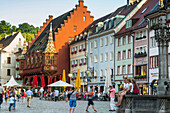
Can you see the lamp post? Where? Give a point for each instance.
(70, 75)
(162, 35)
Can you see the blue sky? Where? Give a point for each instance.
(35, 12)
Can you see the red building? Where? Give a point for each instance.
(48, 52)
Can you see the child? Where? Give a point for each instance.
(11, 102)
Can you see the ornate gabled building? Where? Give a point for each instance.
(48, 52)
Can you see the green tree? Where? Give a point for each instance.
(5, 27)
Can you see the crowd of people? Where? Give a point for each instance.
(13, 95)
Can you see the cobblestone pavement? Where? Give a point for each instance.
(43, 106)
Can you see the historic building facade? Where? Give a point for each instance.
(8, 47)
(38, 62)
(102, 44)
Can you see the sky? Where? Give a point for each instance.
(35, 12)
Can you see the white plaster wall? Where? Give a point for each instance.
(10, 50)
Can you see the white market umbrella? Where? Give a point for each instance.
(60, 84)
(108, 80)
(11, 83)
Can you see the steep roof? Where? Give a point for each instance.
(41, 42)
(6, 41)
(140, 16)
(122, 11)
(91, 27)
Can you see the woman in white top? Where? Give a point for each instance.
(129, 89)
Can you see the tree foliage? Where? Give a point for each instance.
(26, 29)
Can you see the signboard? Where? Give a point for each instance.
(155, 74)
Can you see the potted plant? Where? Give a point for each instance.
(84, 49)
(80, 64)
(84, 63)
(75, 65)
(79, 50)
(72, 52)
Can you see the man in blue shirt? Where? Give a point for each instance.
(29, 95)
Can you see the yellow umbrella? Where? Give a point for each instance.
(78, 81)
(64, 77)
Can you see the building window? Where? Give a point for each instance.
(111, 40)
(8, 72)
(8, 60)
(75, 28)
(105, 72)
(124, 40)
(22, 65)
(95, 58)
(141, 70)
(106, 41)
(124, 55)
(101, 57)
(101, 42)
(118, 70)
(128, 23)
(95, 73)
(95, 44)
(119, 56)
(19, 39)
(123, 69)
(129, 69)
(129, 53)
(91, 61)
(101, 73)
(84, 18)
(129, 39)
(119, 41)
(91, 47)
(111, 55)
(106, 56)
(154, 61)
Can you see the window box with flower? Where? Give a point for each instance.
(84, 49)
(84, 63)
(79, 50)
(80, 64)
(140, 54)
(75, 65)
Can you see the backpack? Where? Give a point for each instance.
(69, 94)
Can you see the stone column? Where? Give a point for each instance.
(163, 39)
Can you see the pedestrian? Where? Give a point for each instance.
(90, 100)
(112, 98)
(12, 93)
(56, 94)
(23, 95)
(72, 102)
(18, 95)
(6, 95)
(1, 97)
(135, 87)
(36, 91)
(11, 102)
(29, 95)
(41, 92)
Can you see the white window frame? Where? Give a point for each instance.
(106, 56)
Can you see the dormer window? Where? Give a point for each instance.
(110, 24)
(105, 25)
(128, 23)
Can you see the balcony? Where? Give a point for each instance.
(139, 38)
(140, 77)
(140, 54)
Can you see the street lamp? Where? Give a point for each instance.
(70, 75)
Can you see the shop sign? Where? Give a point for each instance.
(155, 74)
